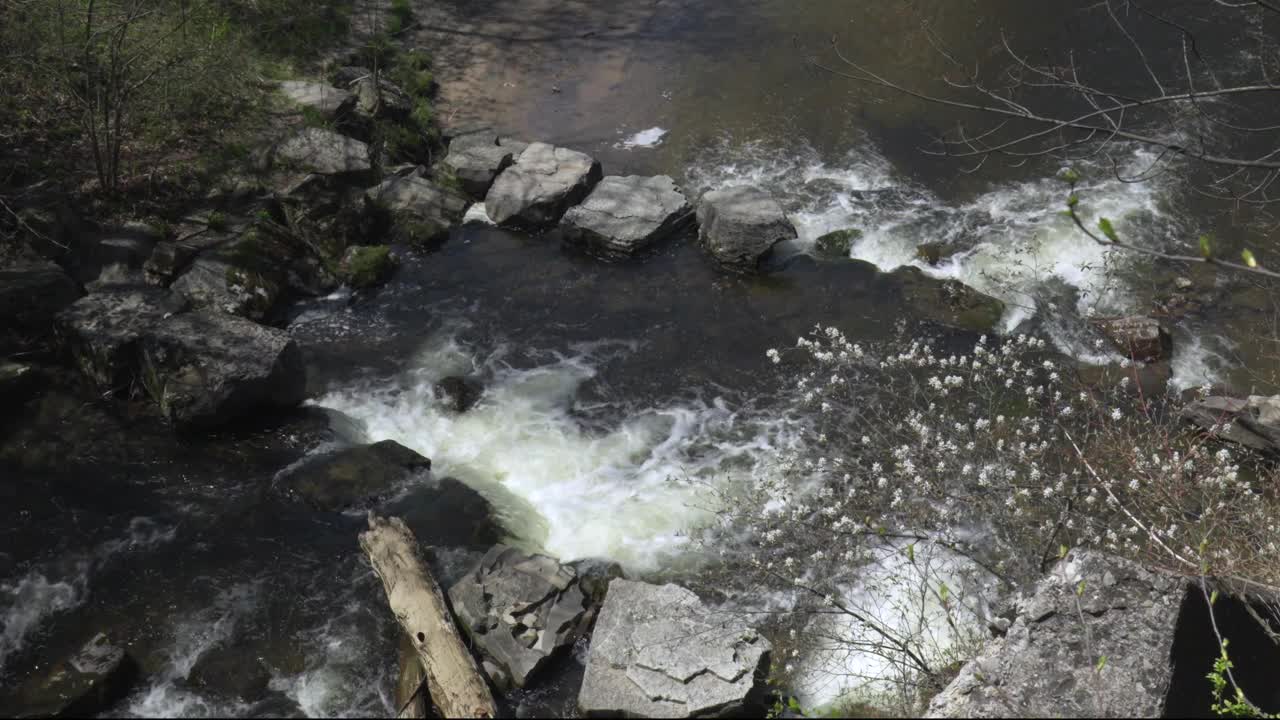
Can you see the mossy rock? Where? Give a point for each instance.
(836, 245)
(934, 253)
(948, 302)
(366, 266)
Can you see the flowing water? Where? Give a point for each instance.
(616, 395)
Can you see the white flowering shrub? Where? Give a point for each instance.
(934, 481)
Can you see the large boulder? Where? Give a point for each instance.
(206, 368)
(220, 283)
(351, 476)
(948, 302)
(477, 158)
(520, 609)
(420, 210)
(1141, 338)
(101, 332)
(322, 152)
(626, 215)
(739, 226)
(30, 297)
(85, 685)
(1253, 422)
(327, 101)
(657, 651)
(1090, 606)
(540, 186)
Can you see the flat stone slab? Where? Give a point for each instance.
(657, 651)
(323, 152)
(625, 215)
(540, 186)
(477, 158)
(739, 225)
(85, 685)
(340, 479)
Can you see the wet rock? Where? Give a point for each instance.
(624, 216)
(740, 225)
(520, 609)
(421, 211)
(219, 282)
(476, 160)
(88, 683)
(836, 245)
(1253, 422)
(329, 102)
(351, 476)
(322, 152)
(227, 672)
(366, 266)
(594, 576)
(933, 253)
(459, 394)
(1046, 664)
(102, 332)
(16, 382)
(1141, 338)
(207, 368)
(643, 663)
(540, 186)
(948, 302)
(167, 261)
(30, 296)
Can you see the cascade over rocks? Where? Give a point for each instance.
(1046, 665)
(626, 215)
(540, 186)
(519, 609)
(739, 226)
(476, 159)
(86, 684)
(657, 651)
(351, 476)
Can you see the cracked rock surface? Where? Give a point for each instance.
(626, 215)
(540, 186)
(657, 651)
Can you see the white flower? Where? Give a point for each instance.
(1115, 413)
(774, 356)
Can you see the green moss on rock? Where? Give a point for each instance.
(948, 302)
(365, 266)
(836, 245)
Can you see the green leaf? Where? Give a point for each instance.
(1105, 226)
(911, 552)
(1073, 200)
(1080, 588)
(1102, 662)
(1069, 175)
(1249, 259)
(1062, 551)
(944, 592)
(1206, 247)
(1213, 597)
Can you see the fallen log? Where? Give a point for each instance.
(457, 687)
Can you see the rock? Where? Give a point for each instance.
(227, 672)
(1141, 338)
(102, 332)
(477, 158)
(116, 275)
(948, 302)
(837, 245)
(365, 266)
(520, 609)
(85, 685)
(30, 297)
(1149, 380)
(459, 394)
(644, 661)
(351, 476)
(1253, 422)
(1183, 283)
(594, 576)
(206, 368)
(219, 283)
(934, 253)
(329, 102)
(540, 186)
(129, 246)
(421, 211)
(626, 215)
(391, 102)
(1045, 666)
(739, 226)
(167, 261)
(16, 382)
(476, 215)
(322, 152)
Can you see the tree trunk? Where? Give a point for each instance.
(457, 686)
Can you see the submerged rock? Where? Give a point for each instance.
(948, 302)
(1141, 338)
(101, 332)
(476, 160)
(540, 186)
(837, 245)
(1047, 663)
(323, 152)
(85, 685)
(519, 610)
(626, 215)
(351, 476)
(227, 672)
(657, 651)
(459, 394)
(327, 101)
(740, 225)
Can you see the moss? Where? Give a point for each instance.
(217, 222)
(836, 245)
(367, 265)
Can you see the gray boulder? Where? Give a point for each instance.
(206, 368)
(739, 225)
(1046, 665)
(101, 332)
(519, 610)
(1141, 338)
(381, 99)
(626, 215)
(167, 261)
(218, 283)
(1253, 422)
(657, 651)
(351, 476)
(947, 302)
(422, 211)
(330, 102)
(477, 158)
(85, 685)
(322, 152)
(540, 186)
(30, 297)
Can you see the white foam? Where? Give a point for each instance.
(643, 139)
(1198, 360)
(33, 599)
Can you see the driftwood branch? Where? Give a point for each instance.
(457, 686)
